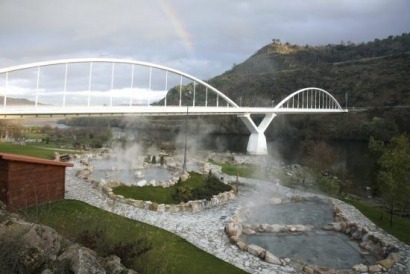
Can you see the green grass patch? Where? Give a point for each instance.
(244, 170)
(40, 150)
(400, 228)
(169, 253)
(26, 150)
(196, 187)
(147, 193)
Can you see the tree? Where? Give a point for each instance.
(393, 172)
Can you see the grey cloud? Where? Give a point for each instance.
(222, 32)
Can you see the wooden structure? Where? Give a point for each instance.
(29, 181)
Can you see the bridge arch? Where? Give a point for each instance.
(309, 99)
(113, 61)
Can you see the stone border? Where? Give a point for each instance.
(367, 240)
(190, 206)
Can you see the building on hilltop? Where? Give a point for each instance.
(28, 181)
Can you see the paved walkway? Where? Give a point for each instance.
(205, 229)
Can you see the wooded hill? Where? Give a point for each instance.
(374, 75)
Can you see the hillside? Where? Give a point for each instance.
(373, 75)
(16, 101)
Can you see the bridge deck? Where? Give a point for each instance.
(21, 111)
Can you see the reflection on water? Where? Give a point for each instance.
(325, 248)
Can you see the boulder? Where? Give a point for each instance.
(142, 183)
(43, 238)
(29, 245)
(336, 226)
(248, 231)
(195, 206)
(153, 207)
(112, 265)
(272, 259)
(262, 227)
(375, 268)
(139, 203)
(231, 195)
(79, 259)
(275, 228)
(242, 246)
(275, 201)
(314, 269)
(230, 229)
(174, 208)
(233, 239)
(297, 228)
(360, 268)
(386, 263)
(255, 250)
(161, 208)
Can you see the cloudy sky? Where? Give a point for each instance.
(203, 38)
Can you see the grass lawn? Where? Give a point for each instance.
(245, 170)
(35, 150)
(170, 253)
(401, 226)
(26, 150)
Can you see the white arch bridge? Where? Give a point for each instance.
(107, 86)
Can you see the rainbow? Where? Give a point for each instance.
(179, 27)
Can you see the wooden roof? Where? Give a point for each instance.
(34, 160)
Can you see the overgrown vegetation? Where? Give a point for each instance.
(129, 252)
(197, 187)
(393, 173)
(159, 252)
(375, 213)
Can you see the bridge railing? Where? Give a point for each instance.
(106, 82)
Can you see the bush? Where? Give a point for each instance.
(328, 185)
(182, 194)
(128, 252)
(211, 186)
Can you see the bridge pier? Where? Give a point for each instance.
(257, 140)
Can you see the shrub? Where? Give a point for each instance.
(128, 252)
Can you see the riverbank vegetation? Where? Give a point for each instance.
(377, 214)
(142, 247)
(197, 187)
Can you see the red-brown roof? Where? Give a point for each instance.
(28, 159)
